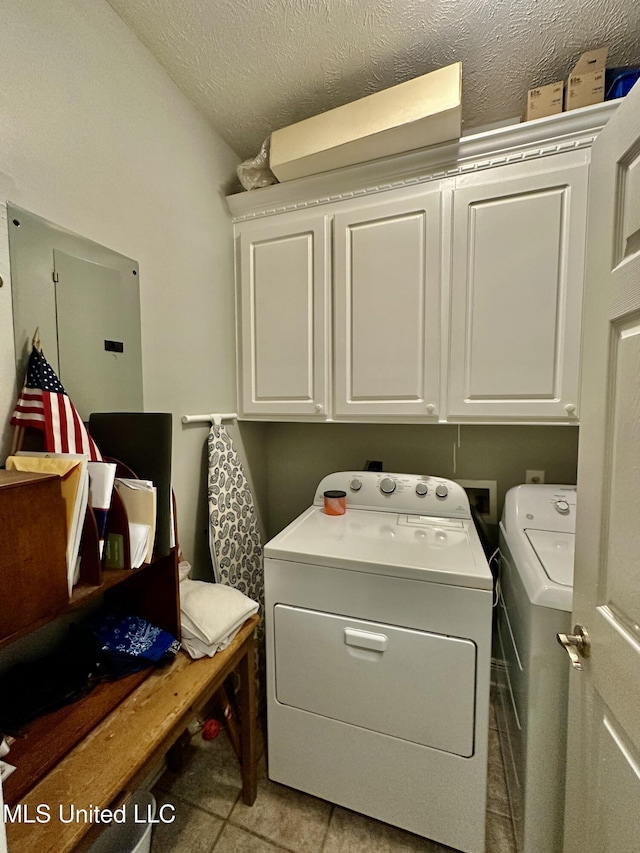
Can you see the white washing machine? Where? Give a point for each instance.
(378, 632)
(537, 535)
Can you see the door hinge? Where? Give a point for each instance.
(55, 277)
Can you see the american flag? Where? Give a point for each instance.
(45, 405)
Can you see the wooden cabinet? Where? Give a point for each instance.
(518, 248)
(454, 277)
(33, 564)
(386, 286)
(33, 551)
(33, 592)
(283, 298)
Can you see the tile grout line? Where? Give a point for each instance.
(326, 835)
(218, 836)
(509, 817)
(270, 841)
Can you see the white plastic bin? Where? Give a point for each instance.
(134, 834)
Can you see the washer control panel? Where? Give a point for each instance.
(541, 506)
(414, 494)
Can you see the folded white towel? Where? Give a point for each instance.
(197, 649)
(211, 614)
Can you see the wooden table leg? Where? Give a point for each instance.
(230, 722)
(248, 723)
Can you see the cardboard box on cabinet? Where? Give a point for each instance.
(585, 85)
(420, 112)
(545, 100)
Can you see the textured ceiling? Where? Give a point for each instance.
(252, 66)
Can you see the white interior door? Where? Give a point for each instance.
(603, 774)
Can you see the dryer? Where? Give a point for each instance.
(378, 637)
(537, 533)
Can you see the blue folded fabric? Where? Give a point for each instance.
(134, 637)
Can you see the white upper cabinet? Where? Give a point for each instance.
(283, 310)
(386, 287)
(439, 285)
(518, 248)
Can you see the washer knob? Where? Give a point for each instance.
(562, 507)
(355, 485)
(387, 486)
(421, 489)
(441, 490)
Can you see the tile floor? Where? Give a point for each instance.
(211, 817)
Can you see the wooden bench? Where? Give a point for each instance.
(116, 755)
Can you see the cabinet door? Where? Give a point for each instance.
(283, 310)
(516, 291)
(387, 306)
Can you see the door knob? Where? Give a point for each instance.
(576, 645)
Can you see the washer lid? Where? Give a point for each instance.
(555, 551)
(421, 547)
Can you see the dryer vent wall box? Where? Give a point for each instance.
(483, 497)
(378, 627)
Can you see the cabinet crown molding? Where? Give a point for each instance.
(519, 142)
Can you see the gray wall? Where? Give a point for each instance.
(95, 137)
(299, 455)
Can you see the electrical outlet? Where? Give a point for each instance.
(534, 477)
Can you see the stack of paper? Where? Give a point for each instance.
(139, 499)
(74, 480)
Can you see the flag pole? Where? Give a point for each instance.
(17, 439)
(18, 431)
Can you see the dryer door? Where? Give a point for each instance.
(409, 684)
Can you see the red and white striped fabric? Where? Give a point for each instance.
(45, 405)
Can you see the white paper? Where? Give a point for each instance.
(139, 543)
(3, 835)
(139, 499)
(143, 485)
(6, 770)
(101, 478)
